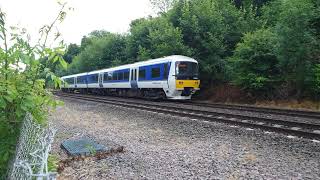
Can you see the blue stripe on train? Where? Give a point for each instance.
(164, 70)
(163, 74)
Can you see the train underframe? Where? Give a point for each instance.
(149, 93)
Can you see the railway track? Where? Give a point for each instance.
(301, 129)
(249, 108)
(278, 111)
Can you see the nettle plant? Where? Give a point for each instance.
(24, 70)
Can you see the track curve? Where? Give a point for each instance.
(302, 129)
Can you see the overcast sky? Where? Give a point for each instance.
(88, 15)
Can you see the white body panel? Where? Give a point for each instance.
(125, 85)
(153, 84)
(93, 85)
(82, 86)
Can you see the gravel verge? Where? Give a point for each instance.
(160, 146)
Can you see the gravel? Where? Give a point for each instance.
(160, 146)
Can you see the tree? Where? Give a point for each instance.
(299, 46)
(71, 52)
(250, 3)
(138, 38)
(154, 38)
(167, 40)
(162, 6)
(211, 29)
(101, 53)
(254, 64)
(314, 82)
(96, 34)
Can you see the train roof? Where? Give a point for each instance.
(74, 75)
(147, 62)
(173, 57)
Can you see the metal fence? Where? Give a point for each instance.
(32, 152)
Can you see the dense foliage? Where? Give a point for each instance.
(255, 62)
(269, 48)
(23, 72)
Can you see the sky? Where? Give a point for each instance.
(87, 15)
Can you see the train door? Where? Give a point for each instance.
(100, 80)
(172, 75)
(75, 81)
(166, 73)
(133, 82)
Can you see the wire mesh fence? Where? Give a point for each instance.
(32, 152)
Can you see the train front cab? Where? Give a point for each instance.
(185, 79)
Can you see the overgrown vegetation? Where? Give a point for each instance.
(268, 48)
(53, 163)
(24, 69)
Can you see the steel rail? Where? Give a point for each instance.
(298, 128)
(278, 111)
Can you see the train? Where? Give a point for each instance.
(173, 77)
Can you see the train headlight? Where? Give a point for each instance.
(180, 82)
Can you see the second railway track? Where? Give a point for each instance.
(301, 129)
(277, 111)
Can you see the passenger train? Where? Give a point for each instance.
(173, 77)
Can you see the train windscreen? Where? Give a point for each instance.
(187, 70)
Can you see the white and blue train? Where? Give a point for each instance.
(172, 77)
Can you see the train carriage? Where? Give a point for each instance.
(172, 77)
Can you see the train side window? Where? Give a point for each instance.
(126, 75)
(81, 80)
(155, 72)
(70, 80)
(114, 76)
(109, 76)
(120, 76)
(135, 74)
(105, 77)
(94, 78)
(142, 74)
(91, 79)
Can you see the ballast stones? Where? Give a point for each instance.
(316, 131)
(81, 147)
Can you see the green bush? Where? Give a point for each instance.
(22, 83)
(254, 63)
(299, 45)
(314, 82)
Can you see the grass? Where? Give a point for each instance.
(53, 162)
(291, 104)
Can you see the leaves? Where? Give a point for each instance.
(63, 63)
(22, 83)
(255, 62)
